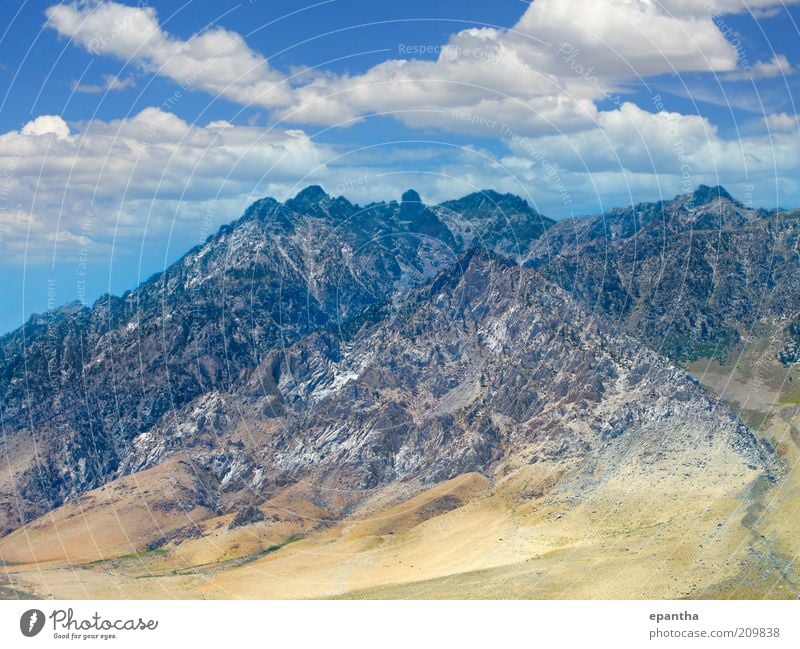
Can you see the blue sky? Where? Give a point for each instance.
(131, 130)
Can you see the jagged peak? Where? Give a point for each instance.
(54, 315)
(705, 194)
(702, 195)
(311, 195)
(258, 209)
(492, 198)
(314, 201)
(312, 192)
(411, 196)
(411, 205)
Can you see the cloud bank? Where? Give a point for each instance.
(529, 97)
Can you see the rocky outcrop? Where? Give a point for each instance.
(690, 277)
(488, 367)
(360, 345)
(82, 385)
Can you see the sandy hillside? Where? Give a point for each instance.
(657, 518)
(522, 536)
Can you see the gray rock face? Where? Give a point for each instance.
(503, 223)
(360, 345)
(487, 365)
(79, 384)
(689, 277)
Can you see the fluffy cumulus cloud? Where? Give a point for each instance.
(124, 172)
(216, 60)
(479, 73)
(544, 73)
(632, 38)
(47, 125)
(535, 88)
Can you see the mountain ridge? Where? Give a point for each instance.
(312, 195)
(261, 283)
(431, 392)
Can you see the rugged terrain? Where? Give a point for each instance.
(405, 400)
(691, 277)
(79, 384)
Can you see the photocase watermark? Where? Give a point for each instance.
(51, 293)
(420, 49)
(207, 222)
(52, 341)
(551, 170)
(187, 84)
(452, 52)
(6, 180)
(735, 42)
(67, 626)
(103, 40)
(747, 195)
(169, 104)
(84, 241)
(570, 55)
(31, 622)
(763, 367)
(476, 120)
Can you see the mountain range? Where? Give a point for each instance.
(326, 359)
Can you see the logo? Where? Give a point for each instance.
(31, 622)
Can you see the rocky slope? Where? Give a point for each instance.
(690, 277)
(79, 384)
(490, 437)
(309, 312)
(488, 368)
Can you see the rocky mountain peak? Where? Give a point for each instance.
(489, 199)
(285, 272)
(420, 219)
(411, 197)
(411, 205)
(311, 200)
(712, 208)
(310, 195)
(314, 201)
(705, 194)
(504, 223)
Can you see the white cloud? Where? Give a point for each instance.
(543, 75)
(676, 152)
(778, 66)
(783, 122)
(217, 60)
(144, 168)
(631, 38)
(535, 87)
(154, 171)
(111, 82)
(47, 125)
